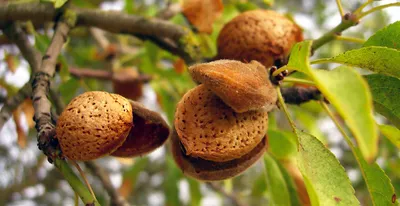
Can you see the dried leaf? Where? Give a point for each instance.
(180, 66)
(20, 131)
(202, 13)
(11, 63)
(29, 111)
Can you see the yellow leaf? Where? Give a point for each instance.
(202, 13)
(27, 108)
(179, 66)
(20, 132)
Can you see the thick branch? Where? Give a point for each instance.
(299, 95)
(115, 22)
(40, 87)
(106, 75)
(115, 198)
(15, 34)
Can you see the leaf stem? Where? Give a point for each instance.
(321, 61)
(75, 182)
(84, 178)
(280, 70)
(297, 80)
(363, 14)
(330, 114)
(340, 8)
(350, 39)
(359, 9)
(285, 110)
(329, 36)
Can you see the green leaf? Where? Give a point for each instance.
(282, 144)
(68, 89)
(294, 197)
(41, 42)
(348, 92)
(195, 193)
(392, 133)
(325, 178)
(385, 92)
(277, 188)
(171, 180)
(299, 57)
(128, 8)
(378, 183)
(374, 58)
(59, 3)
(389, 36)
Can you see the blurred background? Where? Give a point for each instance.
(26, 178)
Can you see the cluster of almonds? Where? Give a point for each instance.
(221, 125)
(96, 124)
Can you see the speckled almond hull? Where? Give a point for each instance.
(206, 170)
(211, 130)
(93, 124)
(242, 86)
(261, 35)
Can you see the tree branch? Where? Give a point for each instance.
(115, 198)
(106, 75)
(299, 95)
(13, 102)
(15, 34)
(41, 83)
(115, 22)
(348, 21)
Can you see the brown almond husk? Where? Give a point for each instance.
(149, 132)
(126, 83)
(262, 35)
(207, 170)
(211, 130)
(242, 86)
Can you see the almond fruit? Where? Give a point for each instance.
(94, 124)
(211, 130)
(206, 170)
(149, 132)
(123, 85)
(242, 86)
(262, 35)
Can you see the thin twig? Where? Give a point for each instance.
(76, 165)
(106, 75)
(285, 109)
(350, 39)
(99, 37)
(13, 102)
(15, 34)
(115, 198)
(348, 21)
(363, 14)
(232, 197)
(299, 95)
(340, 8)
